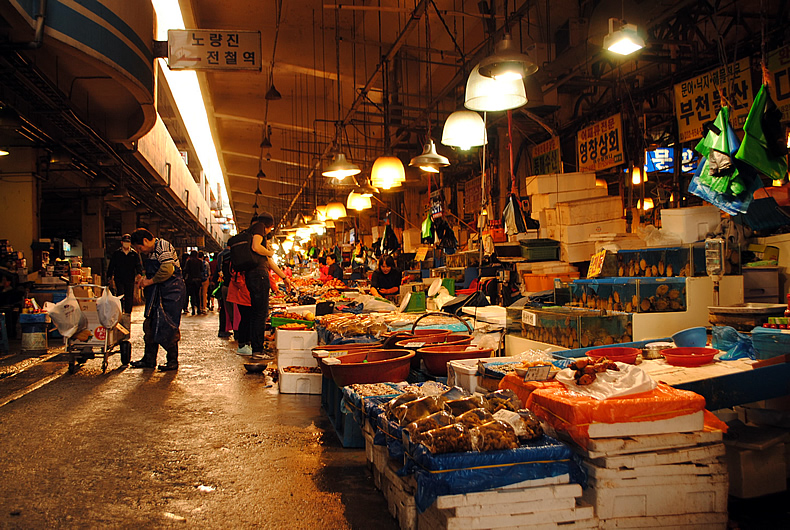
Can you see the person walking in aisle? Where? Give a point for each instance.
(193, 276)
(205, 276)
(163, 284)
(124, 269)
(222, 277)
(258, 280)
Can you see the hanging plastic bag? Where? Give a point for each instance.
(66, 315)
(109, 309)
(735, 344)
(426, 235)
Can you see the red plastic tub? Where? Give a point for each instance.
(391, 339)
(372, 366)
(437, 357)
(620, 354)
(335, 350)
(415, 343)
(689, 356)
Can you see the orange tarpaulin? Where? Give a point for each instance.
(572, 412)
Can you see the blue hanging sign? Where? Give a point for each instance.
(662, 160)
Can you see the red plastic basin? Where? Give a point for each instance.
(437, 357)
(391, 339)
(689, 356)
(335, 350)
(616, 353)
(382, 366)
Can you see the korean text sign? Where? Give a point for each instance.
(600, 145)
(209, 49)
(697, 100)
(779, 66)
(546, 157)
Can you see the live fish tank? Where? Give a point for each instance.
(654, 262)
(630, 295)
(611, 294)
(661, 295)
(575, 327)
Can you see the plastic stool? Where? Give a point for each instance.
(3, 335)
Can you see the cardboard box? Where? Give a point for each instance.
(411, 239)
(590, 210)
(557, 182)
(581, 233)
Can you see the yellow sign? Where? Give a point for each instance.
(213, 49)
(697, 100)
(546, 157)
(422, 252)
(779, 66)
(600, 145)
(596, 264)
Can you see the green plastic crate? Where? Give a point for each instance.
(540, 250)
(277, 321)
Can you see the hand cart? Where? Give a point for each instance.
(95, 339)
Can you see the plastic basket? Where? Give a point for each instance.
(277, 321)
(540, 250)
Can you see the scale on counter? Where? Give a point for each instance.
(714, 263)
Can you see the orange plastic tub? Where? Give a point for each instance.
(437, 357)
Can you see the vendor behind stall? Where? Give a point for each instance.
(386, 279)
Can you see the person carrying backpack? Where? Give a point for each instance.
(258, 279)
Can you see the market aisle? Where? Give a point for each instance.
(133, 448)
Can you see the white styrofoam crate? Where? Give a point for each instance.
(552, 183)
(296, 339)
(668, 499)
(299, 383)
(692, 223)
(688, 423)
(296, 358)
(464, 372)
(601, 447)
(580, 233)
(695, 521)
(704, 454)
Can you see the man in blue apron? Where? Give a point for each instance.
(165, 292)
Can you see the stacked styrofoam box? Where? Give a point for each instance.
(550, 503)
(551, 195)
(670, 480)
(294, 348)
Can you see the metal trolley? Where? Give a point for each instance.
(95, 339)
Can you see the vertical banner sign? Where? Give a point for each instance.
(600, 145)
(546, 157)
(697, 100)
(213, 49)
(779, 66)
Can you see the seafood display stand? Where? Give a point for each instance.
(101, 340)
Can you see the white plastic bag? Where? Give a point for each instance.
(629, 380)
(108, 306)
(66, 315)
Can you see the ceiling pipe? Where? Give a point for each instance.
(38, 36)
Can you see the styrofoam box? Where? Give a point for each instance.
(299, 383)
(550, 200)
(691, 224)
(295, 339)
(581, 233)
(590, 209)
(301, 309)
(465, 372)
(296, 358)
(576, 252)
(552, 183)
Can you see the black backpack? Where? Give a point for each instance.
(241, 255)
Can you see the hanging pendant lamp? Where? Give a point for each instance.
(357, 202)
(341, 168)
(388, 172)
(464, 129)
(507, 63)
(335, 210)
(489, 94)
(430, 160)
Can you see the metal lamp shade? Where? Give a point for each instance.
(489, 94)
(430, 160)
(464, 129)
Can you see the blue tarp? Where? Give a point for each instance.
(458, 473)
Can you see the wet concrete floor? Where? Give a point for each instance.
(209, 446)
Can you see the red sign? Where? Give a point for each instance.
(100, 332)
